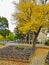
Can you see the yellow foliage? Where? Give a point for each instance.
(1, 37)
(31, 16)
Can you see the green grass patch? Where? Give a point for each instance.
(19, 47)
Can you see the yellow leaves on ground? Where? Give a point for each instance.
(41, 51)
(38, 58)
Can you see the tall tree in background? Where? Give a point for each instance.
(43, 1)
(19, 36)
(4, 33)
(3, 23)
(31, 18)
(4, 27)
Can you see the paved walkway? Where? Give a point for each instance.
(39, 58)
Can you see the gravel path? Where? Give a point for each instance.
(39, 58)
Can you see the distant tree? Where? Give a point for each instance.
(1, 37)
(11, 36)
(4, 33)
(3, 23)
(4, 27)
(19, 35)
(23, 37)
(43, 1)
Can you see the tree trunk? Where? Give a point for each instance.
(34, 41)
(35, 37)
(4, 40)
(29, 38)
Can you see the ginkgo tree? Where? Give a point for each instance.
(32, 17)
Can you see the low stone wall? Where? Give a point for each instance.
(42, 46)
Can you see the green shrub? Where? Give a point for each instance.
(19, 47)
(38, 42)
(1, 43)
(47, 42)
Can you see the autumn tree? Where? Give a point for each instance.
(31, 18)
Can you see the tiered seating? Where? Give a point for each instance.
(12, 52)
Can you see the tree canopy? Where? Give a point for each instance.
(3, 23)
(32, 17)
(11, 36)
(3, 27)
(4, 33)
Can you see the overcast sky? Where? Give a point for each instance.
(6, 10)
